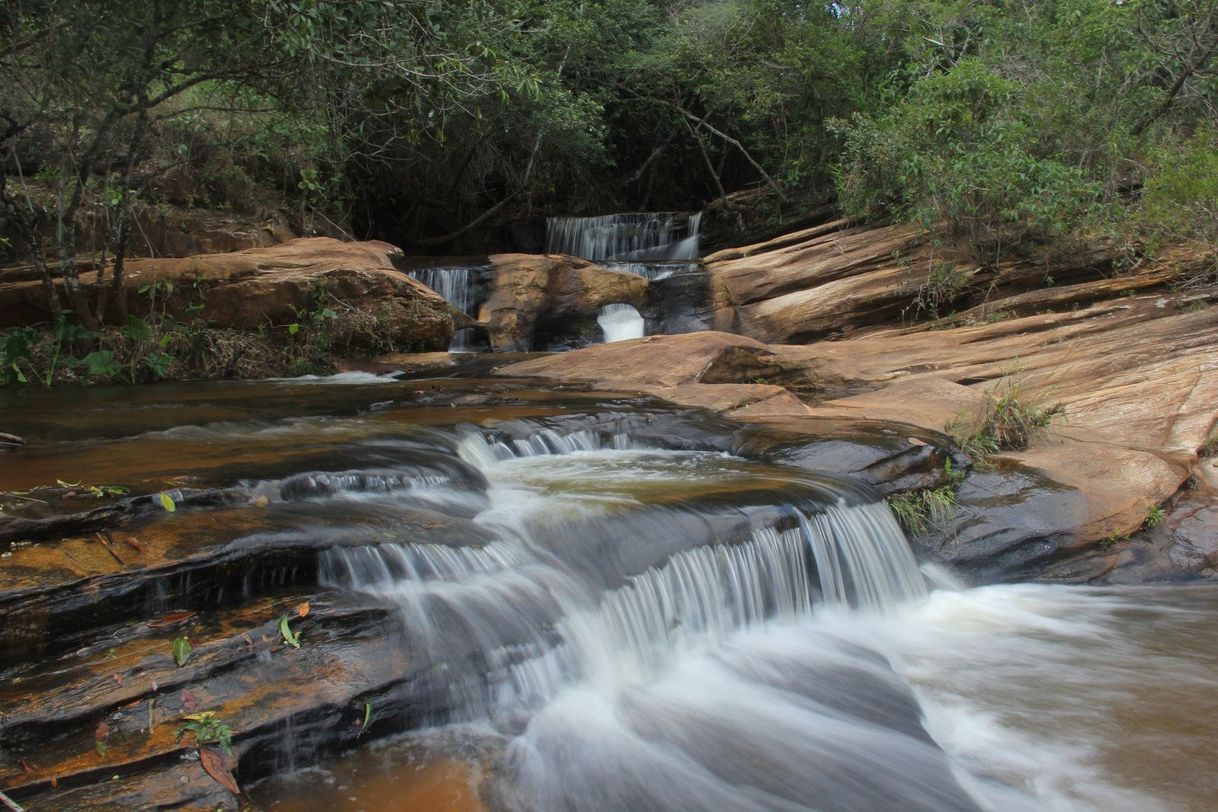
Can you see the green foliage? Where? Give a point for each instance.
(285, 631)
(181, 651)
(1154, 517)
(1009, 420)
(933, 299)
(208, 728)
(960, 152)
(1180, 199)
(928, 508)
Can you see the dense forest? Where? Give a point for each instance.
(1003, 124)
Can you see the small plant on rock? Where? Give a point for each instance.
(208, 729)
(928, 508)
(1009, 420)
(1154, 517)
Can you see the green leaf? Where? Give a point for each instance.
(293, 329)
(168, 503)
(159, 363)
(181, 651)
(367, 717)
(290, 637)
(136, 329)
(101, 364)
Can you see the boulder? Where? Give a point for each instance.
(549, 301)
(272, 286)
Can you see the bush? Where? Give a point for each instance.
(1180, 199)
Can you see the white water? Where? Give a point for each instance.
(631, 237)
(634, 644)
(620, 322)
(457, 285)
(652, 271)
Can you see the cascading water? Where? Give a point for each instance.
(620, 322)
(585, 604)
(660, 247)
(611, 579)
(637, 237)
(458, 286)
(652, 271)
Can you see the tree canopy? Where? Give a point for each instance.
(1003, 122)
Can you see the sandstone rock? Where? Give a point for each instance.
(275, 286)
(551, 301)
(654, 361)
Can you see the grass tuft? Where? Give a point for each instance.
(1009, 420)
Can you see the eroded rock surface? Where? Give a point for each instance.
(272, 287)
(549, 301)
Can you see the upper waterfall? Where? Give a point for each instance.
(638, 236)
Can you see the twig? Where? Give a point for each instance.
(106, 544)
(10, 803)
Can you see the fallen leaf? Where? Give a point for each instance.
(246, 637)
(168, 503)
(302, 610)
(261, 501)
(170, 619)
(188, 701)
(103, 730)
(136, 544)
(54, 781)
(118, 678)
(215, 766)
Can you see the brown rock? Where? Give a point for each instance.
(275, 286)
(654, 361)
(541, 301)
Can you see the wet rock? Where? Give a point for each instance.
(242, 670)
(548, 301)
(679, 304)
(1010, 524)
(272, 286)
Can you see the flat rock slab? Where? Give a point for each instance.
(272, 286)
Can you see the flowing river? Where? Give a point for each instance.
(642, 610)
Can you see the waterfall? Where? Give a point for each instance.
(458, 286)
(652, 271)
(620, 322)
(637, 237)
(595, 588)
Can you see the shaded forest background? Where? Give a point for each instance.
(1005, 126)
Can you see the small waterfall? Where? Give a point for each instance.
(458, 286)
(620, 322)
(634, 237)
(652, 271)
(504, 627)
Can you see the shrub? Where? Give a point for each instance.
(1180, 200)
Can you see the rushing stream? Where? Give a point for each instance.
(641, 613)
